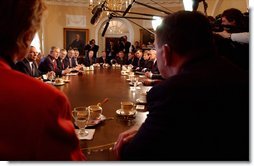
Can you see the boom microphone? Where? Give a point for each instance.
(106, 26)
(128, 8)
(105, 29)
(97, 10)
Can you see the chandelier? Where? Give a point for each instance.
(111, 4)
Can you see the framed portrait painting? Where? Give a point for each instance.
(146, 37)
(71, 35)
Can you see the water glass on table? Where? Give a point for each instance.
(81, 116)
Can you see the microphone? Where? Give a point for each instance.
(105, 29)
(195, 5)
(106, 26)
(128, 8)
(97, 10)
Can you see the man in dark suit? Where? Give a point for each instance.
(121, 59)
(60, 60)
(49, 63)
(139, 63)
(200, 112)
(103, 59)
(68, 60)
(29, 65)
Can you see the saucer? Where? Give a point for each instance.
(122, 113)
(140, 101)
(58, 84)
(97, 121)
(139, 83)
(124, 74)
(66, 81)
(72, 74)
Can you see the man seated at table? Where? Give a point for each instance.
(148, 63)
(29, 65)
(103, 59)
(60, 60)
(200, 112)
(68, 60)
(139, 60)
(49, 63)
(121, 59)
(131, 59)
(153, 75)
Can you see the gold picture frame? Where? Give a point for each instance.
(146, 36)
(70, 33)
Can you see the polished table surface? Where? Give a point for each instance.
(94, 86)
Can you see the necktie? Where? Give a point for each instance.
(70, 62)
(54, 64)
(62, 64)
(33, 69)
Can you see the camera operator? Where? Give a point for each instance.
(233, 39)
(235, 25)
(124, 45)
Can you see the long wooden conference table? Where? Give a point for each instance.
(94, 86)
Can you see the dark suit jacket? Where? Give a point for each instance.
(121, 61)
(24, 67)
(60, 64)
(147, 65)
(95, 49)
(139, 63)
(46, 65)
(101, 60)
(200, 114)
(88, 62)
(67, 62)
(35, 120)
(154, 68)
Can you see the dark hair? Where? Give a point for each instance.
(186, 33)
(27, 15)
(233, 14)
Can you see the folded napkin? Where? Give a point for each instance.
(72, 74)
(87, 137)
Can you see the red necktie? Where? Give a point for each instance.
(54, 64)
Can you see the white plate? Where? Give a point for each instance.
(140, 101)
(67, 81)
(58, 84)
(95, 122)
(139, 83)
(122, 113)
(72, 74)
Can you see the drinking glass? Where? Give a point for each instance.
(81, 116)
(135, 83)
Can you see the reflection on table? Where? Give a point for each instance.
(91, 87)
